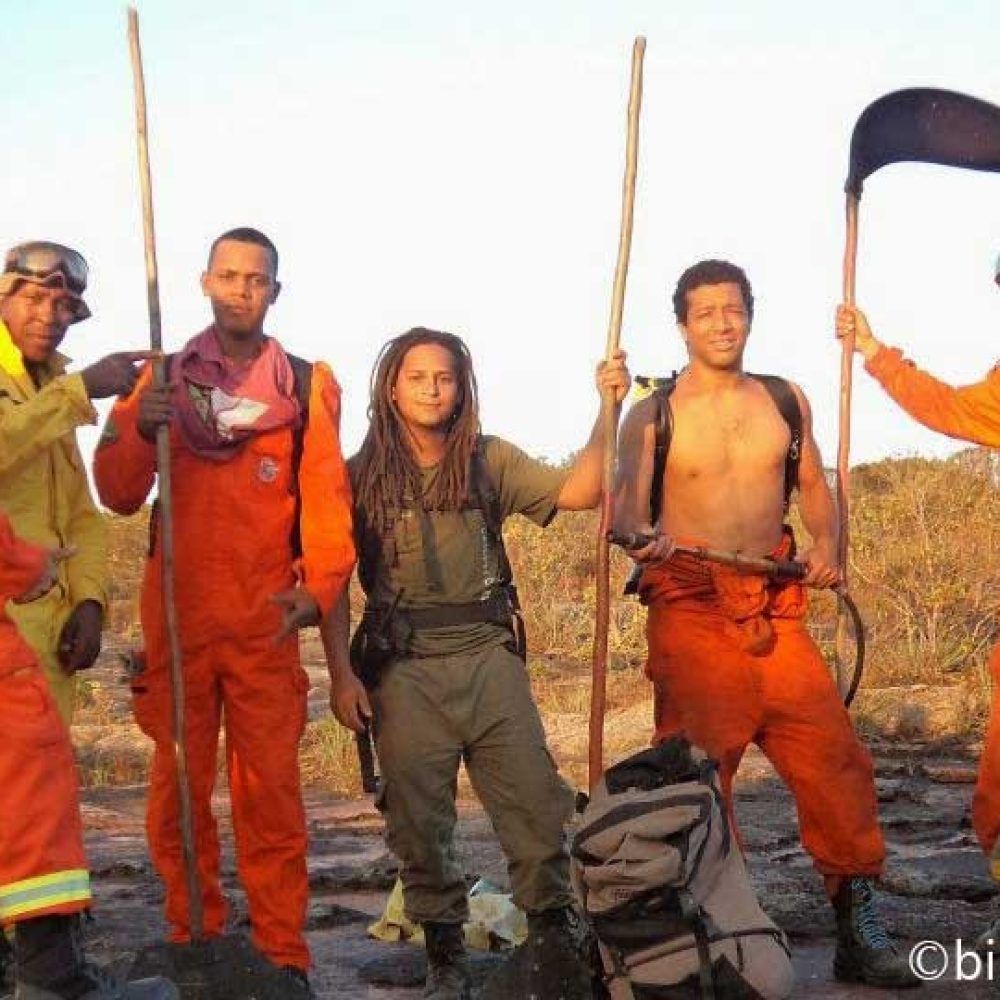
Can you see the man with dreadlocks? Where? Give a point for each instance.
(439, 643)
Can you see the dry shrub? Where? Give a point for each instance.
(925, 565)
(925, 570)
(555, 574)
(328, 757)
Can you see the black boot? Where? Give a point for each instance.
(553, 963)
(285, 982)
(447, 963)
(864, 952)
(562, 968)
(988, 943)
(6, 957)
(51, 966)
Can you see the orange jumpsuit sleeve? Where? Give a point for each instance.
(326, 525)
(21, 564)
(125, 462)
(969, 412)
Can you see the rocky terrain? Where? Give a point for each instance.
(935, 887)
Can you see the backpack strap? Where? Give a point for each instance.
(483, 490)
(663, 429)
(302, 372)
(783, 396)
(499, 606)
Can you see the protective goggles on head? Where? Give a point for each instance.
(49, 264)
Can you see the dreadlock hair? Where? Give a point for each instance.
(388, 474)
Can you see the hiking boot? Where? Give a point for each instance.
(447, 963)
(561, 969)
(50, 965)
(865, 954)
(286, 982)
(989, 941)
(554, 962)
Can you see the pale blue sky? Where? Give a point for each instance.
(459, 165)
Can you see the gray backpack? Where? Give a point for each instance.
(662, 881)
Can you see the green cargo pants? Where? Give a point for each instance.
(432, 712)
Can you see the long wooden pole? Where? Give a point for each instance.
(609, 425)
(844, 443)
(166, 525)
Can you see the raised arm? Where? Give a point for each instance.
(582, 489)
(125, 460)
(968, 413)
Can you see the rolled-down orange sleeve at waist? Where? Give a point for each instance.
(328, 554)
(21, 564)
(968, 413)
(125, 462)
(747, 603)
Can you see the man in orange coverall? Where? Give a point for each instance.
(729, 655)
(44, 883)
(263, 546)
(969, 413)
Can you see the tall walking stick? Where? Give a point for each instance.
(844, 441)
(166, 527)
(920, 125)
(609, 425)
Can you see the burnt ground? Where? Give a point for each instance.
(935, 885)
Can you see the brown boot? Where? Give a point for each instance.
(865, 954)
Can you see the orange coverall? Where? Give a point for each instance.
(732, 664)
(42, 865)
(232, 551)
(969, 413)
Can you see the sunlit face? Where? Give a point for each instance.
(717, 325)
(426, 390)
(37, 317)
(242, 285)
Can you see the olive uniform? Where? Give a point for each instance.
(453, 686)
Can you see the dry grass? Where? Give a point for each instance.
(925, 570)
(328, 758)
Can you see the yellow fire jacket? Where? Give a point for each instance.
(45, 493)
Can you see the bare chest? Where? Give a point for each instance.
(741, 435)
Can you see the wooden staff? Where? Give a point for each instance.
(609, 424)
(166, 525)
(844, 443)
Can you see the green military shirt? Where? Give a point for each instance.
(446, 557)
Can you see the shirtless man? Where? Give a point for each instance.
(728, 653)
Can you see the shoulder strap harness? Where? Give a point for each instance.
(783, 397)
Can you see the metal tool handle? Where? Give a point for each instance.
(782, 569)
(366, 761)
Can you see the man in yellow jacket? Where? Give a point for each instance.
(43, 482)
